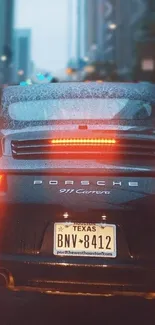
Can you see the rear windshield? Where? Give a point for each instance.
(81, 109)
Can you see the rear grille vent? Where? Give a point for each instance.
(45, 149)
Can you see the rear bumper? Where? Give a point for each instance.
(25, 292)
(26, 275)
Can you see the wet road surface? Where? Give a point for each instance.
(42, 310)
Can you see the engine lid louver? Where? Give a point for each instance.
(84, 149)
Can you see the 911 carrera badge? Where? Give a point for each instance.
(82, 191)
(85, 187)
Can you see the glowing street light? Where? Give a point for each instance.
(21, 72)
(3, 58)
(69, 71)
(112, 26)
(86, 59)
(89, 69)
(29, 82)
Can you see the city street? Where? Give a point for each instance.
(70, 310)
(77, 152)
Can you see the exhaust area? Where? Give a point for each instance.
(6, 279)
(3, 280)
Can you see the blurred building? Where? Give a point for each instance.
(126, 29)
(6, 40)
(109, 30)
(22, 55)
(151, 5)
(90, 32)
(145, 47)
(89, 28)
(71, 29)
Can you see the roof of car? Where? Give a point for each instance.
(141, 91)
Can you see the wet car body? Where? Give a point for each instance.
(46, 188)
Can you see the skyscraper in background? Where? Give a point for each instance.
(127, 19)
(72, 25)
(6, 40)
(151, 5)
(123, 21)
(89, 27)
(22, 55)
(145, 46)
(109, 30)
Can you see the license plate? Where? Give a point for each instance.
(78, 239)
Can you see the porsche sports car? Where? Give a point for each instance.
(77, 189)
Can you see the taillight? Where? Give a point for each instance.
(0, 147)
(3, 184)
(87, 142)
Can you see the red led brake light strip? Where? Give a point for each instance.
(76, 141)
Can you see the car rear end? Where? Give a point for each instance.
(77, 206)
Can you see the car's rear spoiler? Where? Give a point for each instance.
(13, 94)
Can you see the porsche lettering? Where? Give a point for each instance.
(113, 183)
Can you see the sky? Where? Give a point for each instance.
(48, 20)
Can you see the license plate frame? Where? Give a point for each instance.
(101, 230)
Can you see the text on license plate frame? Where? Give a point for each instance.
(101, 238)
